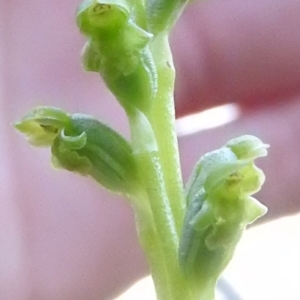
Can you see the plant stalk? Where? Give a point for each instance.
(155, 146)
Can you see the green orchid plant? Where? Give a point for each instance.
(188, 234)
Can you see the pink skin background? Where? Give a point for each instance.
(62, 237)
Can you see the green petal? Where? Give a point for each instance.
(41, 125)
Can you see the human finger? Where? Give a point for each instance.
(237, 51)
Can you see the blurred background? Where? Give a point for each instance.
(63, 237)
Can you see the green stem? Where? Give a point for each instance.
(155, 147)
(156, 225)
(146, 153)
(149, 240)
(162, 119)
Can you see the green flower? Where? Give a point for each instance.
(220, 206)
(81, 144)
(118, 49)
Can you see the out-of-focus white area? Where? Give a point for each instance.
(207, 119)
(267, 261)
(265, 266)
(144, 289)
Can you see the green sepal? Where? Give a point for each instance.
(82, 144)
(106, 156)
(248, 146)
(220, 206)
